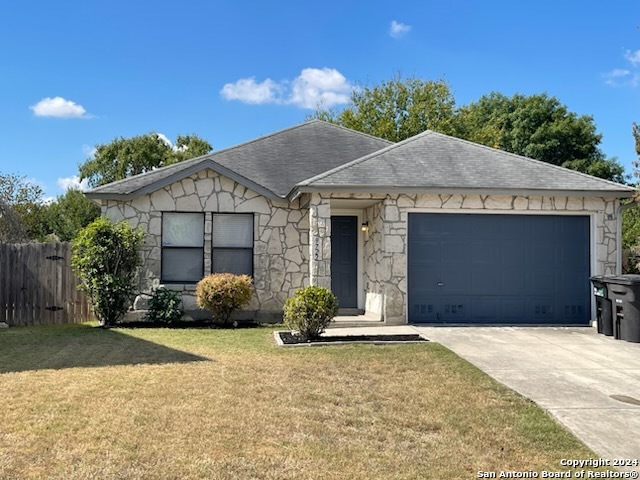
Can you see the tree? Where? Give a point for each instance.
(635, 130)
(540, 127)
(397, 109)
(105, 257)
(69, 214)
(21, 218)
(124, 157)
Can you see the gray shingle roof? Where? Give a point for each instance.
(272, 165)
(432, 160)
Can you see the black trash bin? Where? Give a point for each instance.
(624, 291)
(604, 310)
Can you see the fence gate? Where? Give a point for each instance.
(38, 286)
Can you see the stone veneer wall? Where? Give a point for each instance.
(385, 281)
(281, 237)
(320, 239)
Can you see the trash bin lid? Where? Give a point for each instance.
(629, 279)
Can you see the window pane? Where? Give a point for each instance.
(182, 229)
(182, 264)
(233, 230)
(238, 261)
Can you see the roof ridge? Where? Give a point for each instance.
(534, 160)
(365, 158)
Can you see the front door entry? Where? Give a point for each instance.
(344, 260)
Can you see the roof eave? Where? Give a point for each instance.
(459, 190)
(182, 174)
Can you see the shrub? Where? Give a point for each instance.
(164, 306)
(310, 310)
(105, 258)
(223, 293)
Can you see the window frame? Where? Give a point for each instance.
(163, 248)
(253, 240)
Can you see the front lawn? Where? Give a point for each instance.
(80, 402)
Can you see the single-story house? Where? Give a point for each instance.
(430, 229)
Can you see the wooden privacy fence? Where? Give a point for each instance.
(38, 286)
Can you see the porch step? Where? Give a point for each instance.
(363, 320)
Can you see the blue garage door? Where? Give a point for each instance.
(505, 269)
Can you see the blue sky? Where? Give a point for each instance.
(74, 74)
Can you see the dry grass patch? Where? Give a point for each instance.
(80, 402)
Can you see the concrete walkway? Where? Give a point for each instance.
(570, 372)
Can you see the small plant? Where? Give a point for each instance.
(310, 310)
(223, 293)
(164, 306)
(105, 258)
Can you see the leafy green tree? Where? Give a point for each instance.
(69, 214)
(397, 109)
(540, 127)
(105, 257)
(124, 157)
(635, 130)
(22, 209)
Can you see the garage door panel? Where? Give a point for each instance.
(424, 279)
(513, 309)
(484, 252)
(513, 281)
(541, 282)
(451, 228)
(454, 308)
(512, 253)
(455, 279)
(484, 308)
(485, 281)
(507, 268)
(426, 252)
(542, 253)
(455, 252)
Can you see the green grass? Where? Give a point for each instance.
(81, 402)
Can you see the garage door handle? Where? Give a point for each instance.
(440, 284)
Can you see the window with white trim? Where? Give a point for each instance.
(182, 247)
(232, 243)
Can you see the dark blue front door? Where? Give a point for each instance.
(509, 269)
(344, 260)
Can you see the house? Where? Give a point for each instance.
(430, 229)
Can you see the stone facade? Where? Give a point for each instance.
(385, 276)
(281, 237)
(292, 240)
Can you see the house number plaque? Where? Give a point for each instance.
(317, 249)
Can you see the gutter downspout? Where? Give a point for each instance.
(621, 208)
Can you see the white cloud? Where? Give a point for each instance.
(313, 87)
(633, 57)
(247, 90)
(620, 77)
(398, 29)
(65, 183)
(89, 151)
(625, 77)
(319, 87)
(58, 107)
(165, 139)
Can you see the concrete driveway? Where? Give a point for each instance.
(570, 372)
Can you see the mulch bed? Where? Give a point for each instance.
(288, 338)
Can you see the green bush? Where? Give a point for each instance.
(164, 306)
(310, 310)
(223, 293)
(105, 257)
